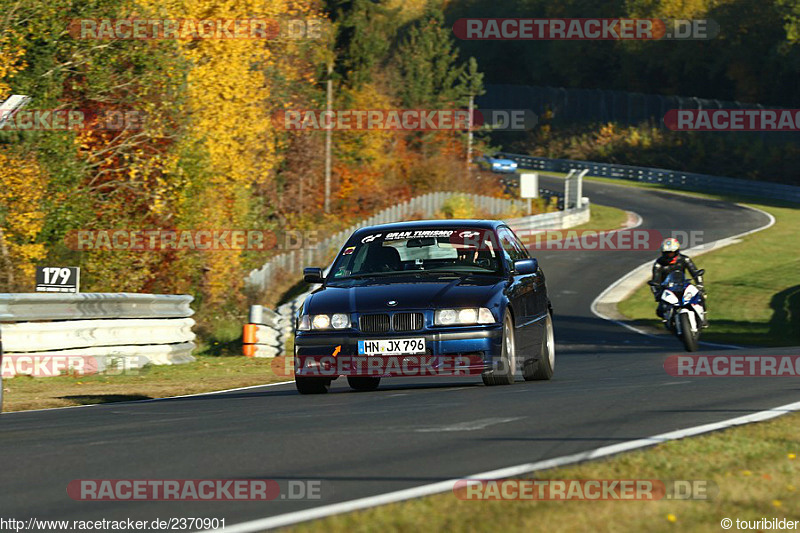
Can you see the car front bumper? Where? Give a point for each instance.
(453, 352)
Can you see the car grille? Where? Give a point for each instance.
(407, 321)
(374, 323)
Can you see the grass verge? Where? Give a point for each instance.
(753, 287)
(206, 374)
(604, 218)
(755, 468)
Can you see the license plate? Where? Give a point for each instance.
(391, 347)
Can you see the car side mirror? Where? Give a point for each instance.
(526, 266)
(312, 275)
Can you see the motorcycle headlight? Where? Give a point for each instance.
(669, 297)
(463, 317)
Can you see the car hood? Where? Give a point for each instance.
(409, 293)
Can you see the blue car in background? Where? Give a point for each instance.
(426, 298)
(498, 165)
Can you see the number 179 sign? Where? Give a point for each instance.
(58, 279)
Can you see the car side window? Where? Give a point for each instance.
(511, 246)
(519, 246)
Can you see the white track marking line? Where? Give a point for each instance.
(472, 425)
(287, 519)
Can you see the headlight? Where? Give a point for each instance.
(337, 321)
(321, 322)
(468, 316)
(445, 317)
(463, 317)
(340, 321)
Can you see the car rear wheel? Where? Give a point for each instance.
(306, 385)
(363, 383)
(543, 368)
(504, 374)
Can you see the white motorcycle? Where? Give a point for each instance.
(683, 308)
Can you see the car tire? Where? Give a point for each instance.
(306, 385)
(363, 383)
(508, 357)
(542, 369)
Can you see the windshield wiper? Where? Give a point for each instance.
(369, 275)
(456, 272)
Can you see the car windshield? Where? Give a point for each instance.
(457, 251)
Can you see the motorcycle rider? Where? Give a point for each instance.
(672, 260)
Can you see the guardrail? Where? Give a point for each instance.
(42, 306)
(265, 332)
(671, 178)
(138, 329)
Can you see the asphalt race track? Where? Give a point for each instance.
(609, 387)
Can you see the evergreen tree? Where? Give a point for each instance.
(426, 61)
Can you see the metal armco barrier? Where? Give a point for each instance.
(670, 178)
(106, 327)
(42, 306)
(264, 335)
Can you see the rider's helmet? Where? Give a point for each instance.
(670, 247)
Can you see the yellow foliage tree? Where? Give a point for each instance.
(229, 105)
(11, 60)
(21, 220)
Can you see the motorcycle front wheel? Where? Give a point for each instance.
(688, 337)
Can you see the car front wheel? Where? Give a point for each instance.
(504, 374)
(544, 367)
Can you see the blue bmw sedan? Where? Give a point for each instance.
(426, 298)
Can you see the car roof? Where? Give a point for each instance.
(435, 224)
